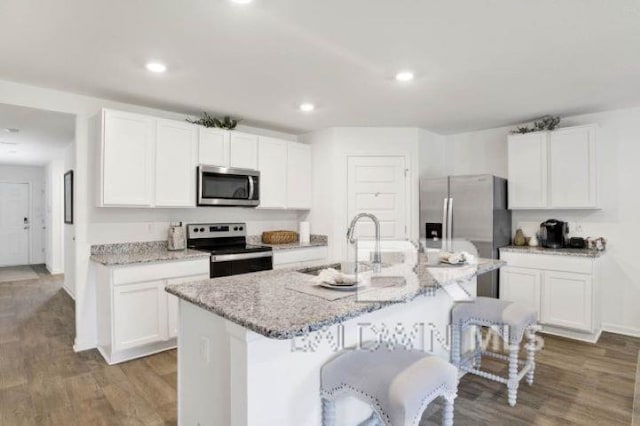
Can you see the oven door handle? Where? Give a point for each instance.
(240, 256)
(251, 187)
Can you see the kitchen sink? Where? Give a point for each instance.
(346, 267)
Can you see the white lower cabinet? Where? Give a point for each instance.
(172, 301)
(139, 314)
(564, 291)
(521, 285)
(136, 316)
(567, 300)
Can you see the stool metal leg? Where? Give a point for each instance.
(531, 354)
(328, 412)
(447, 411)
(512, 382)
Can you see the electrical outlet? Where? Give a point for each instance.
(205, 354)
(578, 228)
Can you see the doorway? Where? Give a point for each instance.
(379, 185)
(14, 224)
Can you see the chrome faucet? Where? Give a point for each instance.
(377, 257)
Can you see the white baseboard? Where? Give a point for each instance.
(71, 295)
(83, 346)
(621, 329)
(571, 334)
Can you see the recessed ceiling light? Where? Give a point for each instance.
(404, 76)
(241, 1)
(11, 130)
(307, 107)
(156, 67)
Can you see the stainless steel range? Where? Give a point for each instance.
(230, 253)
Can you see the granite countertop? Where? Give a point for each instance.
(262, 301)
(144, 252)
(315, 241)
(556, 252)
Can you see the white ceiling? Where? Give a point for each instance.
(479, 63)
(42, 137)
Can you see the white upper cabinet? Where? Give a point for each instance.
(572, 168)
(553, 170)
(243, 150)
(176, 162)
(298, 176)
(272, 160)
(152, 162)
(213, 147)
(528, 171)
(128, 159)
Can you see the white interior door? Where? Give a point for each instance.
(378, 185)
(14, 224)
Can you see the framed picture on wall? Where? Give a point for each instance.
(68, 197)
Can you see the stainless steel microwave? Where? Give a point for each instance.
(225, 186)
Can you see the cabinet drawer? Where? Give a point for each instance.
(579, 265)
(156, 271)
(306, 254)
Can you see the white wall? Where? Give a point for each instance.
(35, 176)
(93, 225)
(68, 231)
(431, 154)
(330, 149)
(54, 195)
(618, 220)
(482, 152)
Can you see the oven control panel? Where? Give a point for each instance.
(216, 230)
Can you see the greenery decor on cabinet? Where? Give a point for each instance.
(207, 120)
(547, 122)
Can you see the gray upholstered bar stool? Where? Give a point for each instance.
(397, 384)
(514, 321)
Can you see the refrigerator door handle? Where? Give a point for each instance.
(444, 223)
(450, 224)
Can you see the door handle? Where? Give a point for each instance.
(444, 221)
(450, 223)
(251, 187)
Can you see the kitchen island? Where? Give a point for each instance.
(251, 346)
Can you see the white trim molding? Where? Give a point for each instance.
(621, 329)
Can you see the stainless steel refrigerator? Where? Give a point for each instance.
(459, 209)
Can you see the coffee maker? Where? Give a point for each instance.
(554, 233)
